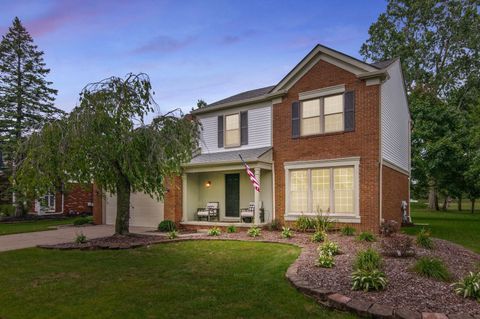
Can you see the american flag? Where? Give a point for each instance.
(253, 179)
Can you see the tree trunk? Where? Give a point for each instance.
(123, 206)
(460, 203)
(473, 205)
(445, 203)
(432, 194)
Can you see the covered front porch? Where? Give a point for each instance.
(219, 192)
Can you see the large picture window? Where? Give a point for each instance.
(232, 130)
(322, 115)
(325, 190)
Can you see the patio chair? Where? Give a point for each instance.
(208, 212)
(247, 213)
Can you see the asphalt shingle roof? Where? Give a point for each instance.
(229, 156)
(244, 95)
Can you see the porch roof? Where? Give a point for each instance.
(261, 154)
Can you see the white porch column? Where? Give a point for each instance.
(184, 198)
(257, 197)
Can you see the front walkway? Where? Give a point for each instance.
(58, 236)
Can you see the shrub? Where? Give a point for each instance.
(81, 238)
(254, 231)
(432, 268)
(166, 226)
(287, 232)
(469, 286)
(398, 246)
(348, 231)
(214, 231)
(83, 220)
(389, 227)
(7, 210)
(368, 260)
(329, 247)
(366, 236)
(303, 223)
(424, 240)
(172, 234)
(319, 236)
(325, 260)
(367, 280)
(231, 229)
(275, 225)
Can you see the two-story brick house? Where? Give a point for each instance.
(333, 136)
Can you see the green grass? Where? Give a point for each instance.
(31, 226)
(459, 227)
(196, 279)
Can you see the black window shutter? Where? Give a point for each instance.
(349, 110)
(220, 131)
(295, 119)
(244, 128)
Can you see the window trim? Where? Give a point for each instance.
(322, 114)
(225, 145)
(332, 163)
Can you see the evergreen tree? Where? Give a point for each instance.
(26, 98)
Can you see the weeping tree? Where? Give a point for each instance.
(105, 140)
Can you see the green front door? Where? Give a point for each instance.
(232, 195)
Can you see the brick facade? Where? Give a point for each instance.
(395, 189)
(173, 200)
(363, 142)
(77, 199)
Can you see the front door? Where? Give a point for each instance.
(232, 195)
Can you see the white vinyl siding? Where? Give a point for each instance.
(395, 120)
(259, 128)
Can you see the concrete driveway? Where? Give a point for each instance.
(58, 236)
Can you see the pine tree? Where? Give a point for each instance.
(26, 99)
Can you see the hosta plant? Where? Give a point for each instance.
(287, 232)
(254, 231)
(319, 236)
(231, 229)
(469, 286)
(214, 231)
(329, 247)
(81, 238)
(325, 260)
(368, 280)
(172, 234)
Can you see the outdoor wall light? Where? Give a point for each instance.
(208, 184)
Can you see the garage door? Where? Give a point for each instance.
(144, 210)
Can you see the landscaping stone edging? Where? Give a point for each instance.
(359, 307)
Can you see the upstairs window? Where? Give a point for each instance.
(232, 130)
(322, 115)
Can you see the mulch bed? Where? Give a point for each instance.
(405, 288)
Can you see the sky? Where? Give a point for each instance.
(191, 50)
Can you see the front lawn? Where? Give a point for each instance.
(32, 226)
(196, 279)
(459, 227)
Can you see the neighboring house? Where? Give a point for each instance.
(76, 199)
(333, 136)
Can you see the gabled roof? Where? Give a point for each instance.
(360, 68)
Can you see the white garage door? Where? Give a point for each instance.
(144, 210)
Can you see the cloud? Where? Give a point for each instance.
(235, 38)
(62, 13)
(164, 44)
